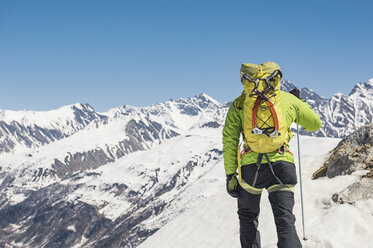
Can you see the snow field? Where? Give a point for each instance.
(214, 223)
(136, 170)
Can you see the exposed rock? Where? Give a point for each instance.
(321, 172)
(358, 191)
(80, 161)
(141, 132)
(211, 124)
(354, 152)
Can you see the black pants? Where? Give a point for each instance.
(282, 203)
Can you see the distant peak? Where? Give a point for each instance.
(202, 95)
(82, 106)
(362, 88)
(205, 97)
(286, 85)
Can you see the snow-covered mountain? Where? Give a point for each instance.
(94, 190)
(74, 177)
(31, 129)
(341, 114)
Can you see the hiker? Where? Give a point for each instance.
(263, 115)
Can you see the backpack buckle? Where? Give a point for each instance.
(275, 134)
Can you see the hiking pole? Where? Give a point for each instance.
(300, 183)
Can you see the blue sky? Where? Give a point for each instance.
(110, 53)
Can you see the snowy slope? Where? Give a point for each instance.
(144, 183)
(214, 222)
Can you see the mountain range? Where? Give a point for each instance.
(74, 177)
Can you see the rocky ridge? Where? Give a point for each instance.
(353, 154)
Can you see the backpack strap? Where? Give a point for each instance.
(270, 132)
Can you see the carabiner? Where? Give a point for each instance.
(257, 131)
(275, 134)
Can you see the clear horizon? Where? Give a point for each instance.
(139, 53)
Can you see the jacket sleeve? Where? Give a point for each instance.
(305, 116)
(231, 137)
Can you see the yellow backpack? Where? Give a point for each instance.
(264, 126)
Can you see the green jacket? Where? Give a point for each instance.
(294, 109)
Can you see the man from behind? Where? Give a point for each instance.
(263, 115)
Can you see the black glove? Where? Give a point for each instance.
(232, 185)
(296, 93)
